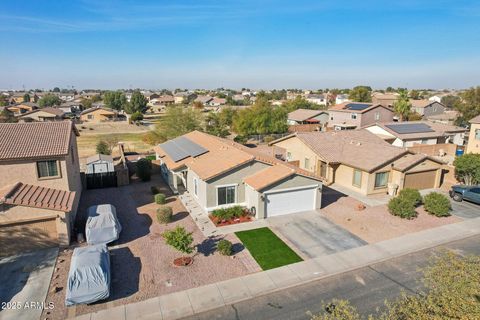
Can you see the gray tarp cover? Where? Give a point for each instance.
(89, 275)
(102, 224)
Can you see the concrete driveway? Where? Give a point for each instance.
(312, 234)
(465, 209)
(24, 279)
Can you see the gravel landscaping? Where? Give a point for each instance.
(375, 224)
(141, 263)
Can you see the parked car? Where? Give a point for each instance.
(470, 193)
(89, 275)
(102, 224)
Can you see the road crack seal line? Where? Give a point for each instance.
(393, 280)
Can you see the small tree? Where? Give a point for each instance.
(437, 204)
(467, 168)
(103, 148)
(26, 97)
(49, 100)
(402, 106)
(144, 169)
(180, 239)
(136, 116)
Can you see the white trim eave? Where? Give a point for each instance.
(294, 188)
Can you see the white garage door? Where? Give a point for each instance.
(289, 201)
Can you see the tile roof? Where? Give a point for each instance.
(343, 107)
(99, 107)
(38, 197)
(475, 120)
(35, 139)
(421, 103)
(356, 148)
(53, 111)
(304, 114)
(411, 159)
(223, 155)
(268, 176)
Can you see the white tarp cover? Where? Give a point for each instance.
(89, 275)
(102, 224)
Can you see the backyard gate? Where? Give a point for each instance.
(101, 180)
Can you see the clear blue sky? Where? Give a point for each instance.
(235, 43)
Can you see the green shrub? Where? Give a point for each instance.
(160, 198)
(154, 190)
(180, 239)
(437, 204)
(224, 247)
(228, 213)
(240, 139)
(268, 139)
(136, 116)
(402, 207)
(412, 195)
(164, 214)
(151, 157)
(102, 148)
(144, 169)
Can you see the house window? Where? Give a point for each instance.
(306, 163)
(331, 118)
(289, 156)
(357, 178)
(90, 116)
(377, 116)
(477, 134)
(47, 168)
(226, 195)
(323, 169)
(424, 141)
(195, 187)
(381, 179)
(354, 116)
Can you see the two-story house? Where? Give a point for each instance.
(351, 115)
(40, 184)
(474, 137)
(427, 108)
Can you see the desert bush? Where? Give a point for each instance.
(224, 247)
(402, 207)
(180, 239)
(160, 198)
(437, 204)
(412, 195)
(154, 190)
(228, 213)
(164, 214)
(103, 148)
(240, 139)
(144, 169)
(268, 139)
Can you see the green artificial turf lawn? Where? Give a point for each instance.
(267, 249)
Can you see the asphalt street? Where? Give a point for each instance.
(366, 288)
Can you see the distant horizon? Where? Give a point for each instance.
(257, 44)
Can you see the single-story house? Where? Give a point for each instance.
(203, 99)
(44, 114)
(448, 117)
(427, 108)
(98, 114)
(306, 116)
(22, 108)
(407, 134)
(319, 99)
(341, 98)
(351, 115)
(221, 173)
(360, 161)
(162, 100)
(385, 99)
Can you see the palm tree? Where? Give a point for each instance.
(402, 106)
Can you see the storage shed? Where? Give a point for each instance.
(100, 163)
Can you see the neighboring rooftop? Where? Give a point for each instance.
(422, 103)
(475, 120)
(304, 114)
(53, 111)
(99, 157)
(356, 148)
(35, 140)
(101, 107)
(356, 107)
(419, 129)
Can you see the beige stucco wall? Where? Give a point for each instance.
(298, 151)
(98, 116)
(11, 214)
(233, 177)
(201, 197)
(40, 116)
(473, 144)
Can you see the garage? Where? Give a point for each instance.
(28, 235)
(282, 202)
(420, 180)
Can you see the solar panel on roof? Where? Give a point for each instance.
(190, 147)
(181, 148)
(406, 128)
(357, 106)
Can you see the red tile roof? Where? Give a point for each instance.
(38, 197)
(35, 140)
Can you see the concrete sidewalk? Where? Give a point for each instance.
(196, 300)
